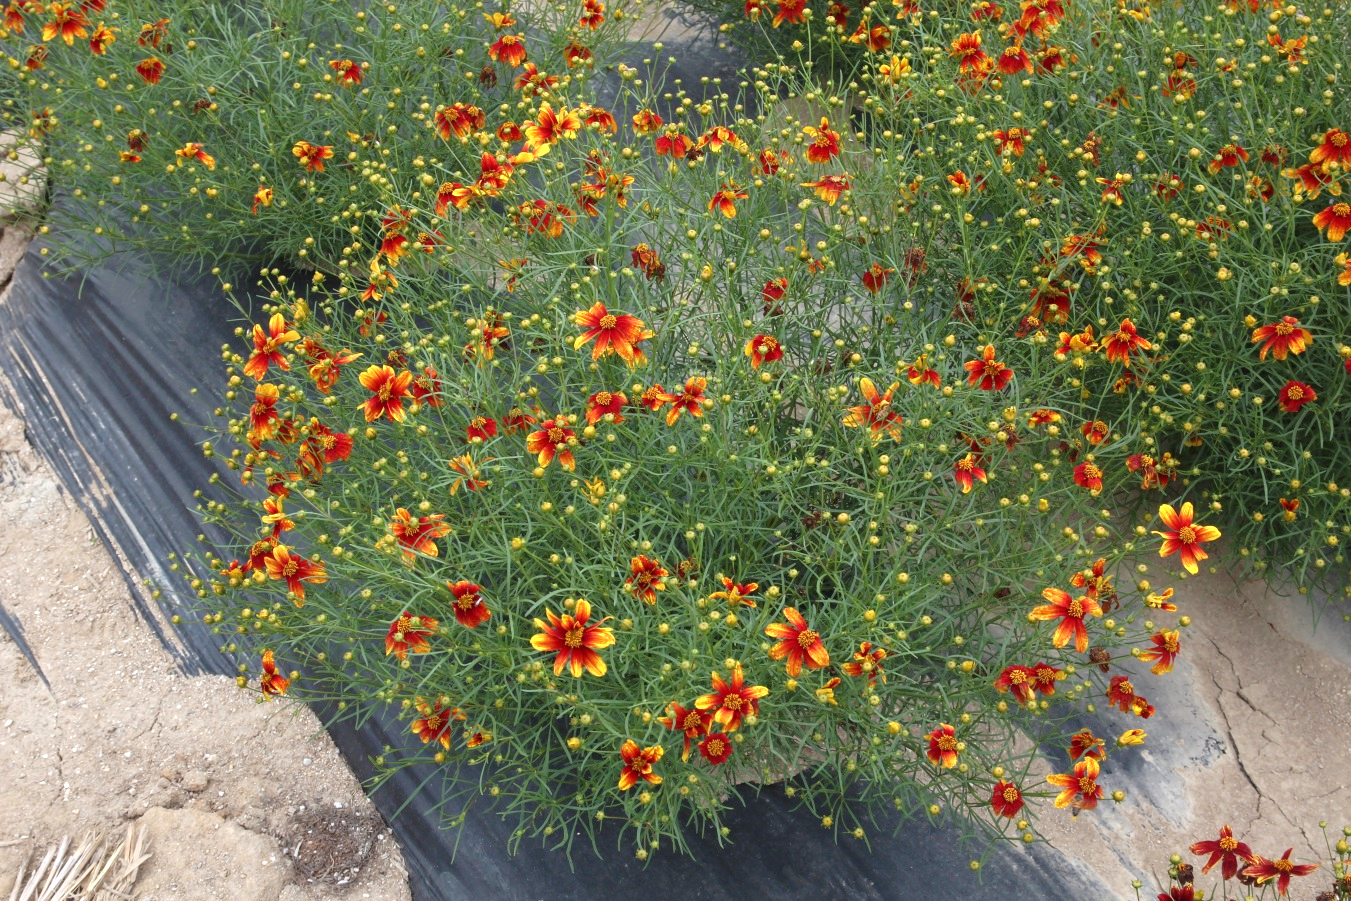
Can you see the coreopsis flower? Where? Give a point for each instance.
(716, 748)
(1312, 179)
(1161, 601)
(426, 388)
(1012, 140)
(475, 737)
(798, 643)
(296, 571)
(921, 372)
(388, 389)
(576, 54)
(674, 144)
(734, 593)
(1014, 59)
(966, 50)
(1046, 677)
(1227, 156)
(876, 278)
(418, 535)
(614, 333)
(655, 397)
(1291, 508)
(1007, 799)
(867, 660)
(1088, 475)
(646, 579)
(605, 403)
(593, 14)
(435, 721)
(896, 70)
(270, 682)
(68, 23)
(509, 49)
(763, 349)
(1085, 744)
(693, 723)
(553, 438)
(574, 641)
(718, 137)
(967, 470)
(1344, 277)
(1183, 536)
(732, 700)
(771, 294)
(638, 764)
(551, 127)
(102, 38)
(1119, 345)
(259, 551)
(1121, 694)
(480, 429)
(646, 122)
(1336, 219)
(1334, 148)
(1080, 788)
(471, 611)
(312, 156)
(349, 73)
(829, 188)
(1096, 432)
(460, 119)
(262, 197)
(691, 400)
(267, 347)
(263, 415)
(987, 373)
(410, 633)
(943, 746)
(1153, 473)
(791, 12)
(1071, 612)
(1166, 646)
(1018, 680)
(825, 142)
(469, 474)
(875, 413)
(1280, 869)
(1226, 851)
(196, 151)
(275, 515)
(1295, 395)
(724, 201)
(645, 258)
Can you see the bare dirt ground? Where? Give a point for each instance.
(241, 800)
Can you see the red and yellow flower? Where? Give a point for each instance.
(1336, 218)
(1071, 612)
(271, 682)
(829, 188)
(867, 660)
(312, 156)
(1183, 536)
(267, 347)
(876, 278)
(603, 404)
(614, 333)
(1334, 148)
(798, 643)
(646, 579)
(388, 389)
(1007, 799)
(734, 593)
(1280, 869)
(196, 151)
(296, 571)
(875, 413)
(987, 373)
(1119, 345)
(1295, 395)
(1282, 338)
(943, 746)
(574, 641)
(825, 142)
(967, 470)
(1018, 680)
(693, 723)
(638, 764)
(469, 474)
(471, 611)
(724, 200)
(1166, 646)
(150, 69)
(509, 50)
(68, 23)
(716, 748)
(435, 721)
(732, 700)
(763, 349)
(1088, 475)
(1121, 695)
(553, 438)
(1079, 788)
(410, 633)
(1226, 851)
(691, 400)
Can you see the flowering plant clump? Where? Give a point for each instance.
(1261, 877)
(657, 475)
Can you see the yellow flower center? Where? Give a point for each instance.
(1010, 794)
(556, 436)
(328, 442)
(1295, 392)
(732, 702)
(1283, 865)
(603, 398)
(466, 602)
(1228, 843)
(290, 569)
(715, 747)
(608, 321)
(1126, 688)
(806, 638)
(1092, 472)
(384, 391)
(1284, 328)
(1170, 645)
(1087, 786)
(947, 743)
(433, 722)
(692, 722)
(1339, 139)
(1341, 210)
(573, 637)
(1017, 677)
(1186, 535)
(1075, 609)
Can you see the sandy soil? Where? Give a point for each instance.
(231, 791)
